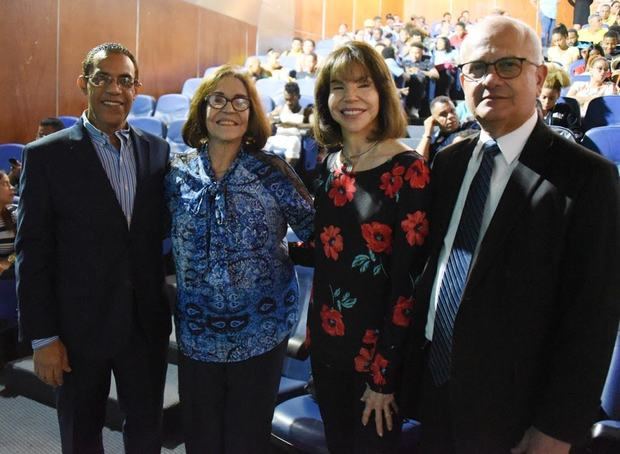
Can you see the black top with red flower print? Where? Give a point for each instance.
(370, 230)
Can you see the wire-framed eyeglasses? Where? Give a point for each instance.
(103, 79)
(239, 103)
(506, 68)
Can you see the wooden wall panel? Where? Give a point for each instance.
(28, 81)
(167, 45)
(523, 10)
(337, 12)
(83, 25)
(252, 31)
(365, 9)
(222, 40)
(396, 7)
(308, 19)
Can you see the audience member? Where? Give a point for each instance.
(595, 32)
(420, 68)
(560, 52)
(89, 261)
(587, 54)
(357, 324)
(308, 46)
(460, 32)
(237, 290)
(572, 38)
(446, 60)
(8, 227)
(613, 16)
(449, 129)
(598, 85)
(343, 35)
(604, 11)
(48, 126)
(518, 268)
(610, 44)
(255, 69)
(308, 66)
(296, 47)
(554, 113)
(547, 13)
(581, 12)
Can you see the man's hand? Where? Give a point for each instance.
(50, 362)
(536, 442)
(429, 124)
(383, 405)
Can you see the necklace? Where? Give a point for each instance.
(348, 160)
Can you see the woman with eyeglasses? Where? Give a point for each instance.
(598, 85)
(370, 232)
(8, 310)
(236, 286)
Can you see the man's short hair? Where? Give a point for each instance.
(292, 88)
(388, 52)
(419, 46)
(107, 48)
(611, 34)
(440, 100)
(52, 122)
(460, 24)
(560, 30)
(594, 16)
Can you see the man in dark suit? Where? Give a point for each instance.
(89, 261)
(518, 305)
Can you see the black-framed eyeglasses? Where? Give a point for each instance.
(103, 79)
(506, 68)
(239, 103)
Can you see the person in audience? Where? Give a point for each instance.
(397, 71)
(445, 59)
(15, 173)
(581, 12)
(420, 68)
(308, 66)
(8, 227)
(48, 126)
(614, 12)
(460, 32)
(89, 261)
(587, 56)
(560, 52)
(237, 291)
(343, 35)
(604, 10)
(273, 64)
(255, 69)
(610, 44)
(292, 122)
(518, 268)
(595, 32)
(554, 113)
(572, 38)
(376, 37)
(598, 85)
(370, 232)
(308, 46)
(547, 13)
(296, 47)
(442, 128)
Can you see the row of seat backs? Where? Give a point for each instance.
(168, 107)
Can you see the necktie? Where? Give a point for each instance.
(458, 265)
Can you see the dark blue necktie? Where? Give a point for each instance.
(458, 265)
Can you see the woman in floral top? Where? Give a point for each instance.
(370, 231)
(236, 286)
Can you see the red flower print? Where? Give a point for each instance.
(416, 228)
(332, 241)
(370, 337)
(418, 175)
(391, 182)
(378, 237)
(331, 321)
(377, 368)
(307, 340)
(402, 312)
(362, 361)
(342, 190)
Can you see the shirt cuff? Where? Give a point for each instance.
(40, 343)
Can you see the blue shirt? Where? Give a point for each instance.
(237, 290)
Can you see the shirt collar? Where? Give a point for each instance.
(100, 136)
(511, 144)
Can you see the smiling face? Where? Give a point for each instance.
(109, 105)
(502, 105)
(226, 125)
(572, 38)
(609, 45)
(354, 103)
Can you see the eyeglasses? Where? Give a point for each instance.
(103, 79)
(506, 68)
(239, 103)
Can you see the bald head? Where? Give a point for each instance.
(490, 28)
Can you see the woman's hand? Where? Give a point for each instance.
(384, 407)
(4, 265)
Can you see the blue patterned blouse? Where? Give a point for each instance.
(237, 290)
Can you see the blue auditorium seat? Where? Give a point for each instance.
(68, 120)
(270, 86)
(149, 124)
(210, 70)
(172, 107)
(288, 61)
(175, 136)
(267, 103)
(190, 86)
(143, 106)
(602, 111)
(306, 87)
(10, 151)
(604, 140)
(297, 423)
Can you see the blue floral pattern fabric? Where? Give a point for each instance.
(237, 291)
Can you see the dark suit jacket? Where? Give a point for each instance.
(535, 329)
(82, 273)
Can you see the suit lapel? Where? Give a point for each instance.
(521, 186)
(90, 169)
(141, 148)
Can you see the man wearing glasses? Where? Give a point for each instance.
(89, 261)
(518, 305)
